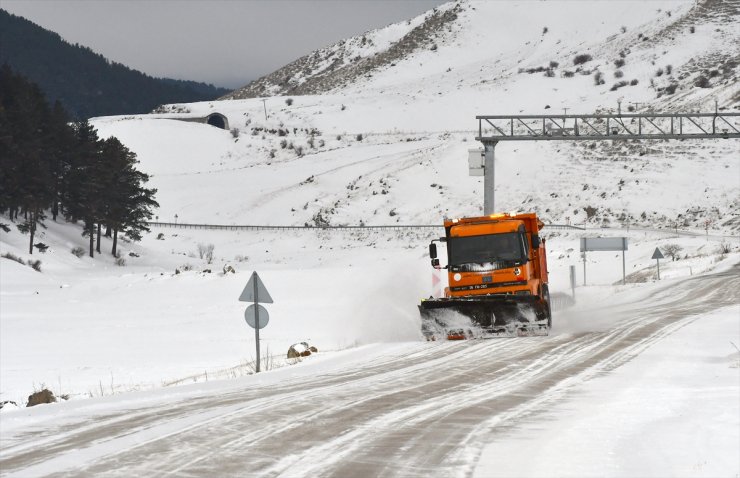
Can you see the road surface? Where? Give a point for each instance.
(426, 411)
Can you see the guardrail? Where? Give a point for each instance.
(389, 227)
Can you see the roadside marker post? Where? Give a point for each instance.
(256, 315)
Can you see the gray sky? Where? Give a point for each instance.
(224, 42)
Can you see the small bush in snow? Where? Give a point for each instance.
(120, 261)
(339, 137)
(343, 107)
(668, 69)
(544, 30)
(160, 236)
(623, 29)
(272, 154)
(289, 101)
(311, 142)
(554, 64)
(599, 78)
(659, 72)
(619, 62)
(78, 251)
(724, 248)
(567, 74)
(618, 74)
(434, 47)
(321, 143)
(35, 265)
(234, 132)
(634, 82)
(672, 250)
(299, 150)
(550, 73)
(359, 137)
(692, 29)
(618, 85)
(13, 257)
(205, 251)
(283, 143)
(582, 58)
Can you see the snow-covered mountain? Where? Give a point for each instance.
(376, 132)
(383, 136)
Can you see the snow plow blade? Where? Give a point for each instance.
(484, 316)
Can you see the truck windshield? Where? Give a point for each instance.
(486, 251)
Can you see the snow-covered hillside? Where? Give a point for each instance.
(390, 145)
(381, 139)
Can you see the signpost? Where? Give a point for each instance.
(573, 281)
(657, 255)
(256, 315)
(604, 244)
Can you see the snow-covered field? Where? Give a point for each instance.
(390, 148)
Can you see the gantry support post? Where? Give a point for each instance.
(489, 177)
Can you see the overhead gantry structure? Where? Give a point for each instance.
(593, 127)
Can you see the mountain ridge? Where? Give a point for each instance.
(86, 83)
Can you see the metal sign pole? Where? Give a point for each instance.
(624, 263)
(658, 261)
(584, 268)
(489, 177)
(257, 327)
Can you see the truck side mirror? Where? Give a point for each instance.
(433, 251)
(535, 241)
(435, 263)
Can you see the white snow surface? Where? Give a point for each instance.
(88, 328)
(672, 411)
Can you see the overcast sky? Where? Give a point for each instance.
(224, 42)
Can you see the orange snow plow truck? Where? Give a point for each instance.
(497, 276)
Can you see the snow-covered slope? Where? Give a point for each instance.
(389, 145)
(375, 145)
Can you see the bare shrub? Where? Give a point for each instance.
(550, 73)
(724, 248)
(668, 69)
(618, 74)
(13, 257)
(618, 85)
(359, 137)
(634, 82)
(283, 143)
(599, 78)
(289, 101)
(205, 251)
(619, 62)
(120, 261)
(299, 150)
(582, 58)
(567, 74)
(35, 265)
(692, 29)
(701, 82)
(659, 72)
(673, 251)
(554, 64)
(234, 132)
(78, 251)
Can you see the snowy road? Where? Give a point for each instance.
(427, 409)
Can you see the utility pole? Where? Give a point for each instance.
(264, 103)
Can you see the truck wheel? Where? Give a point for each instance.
(546, 297)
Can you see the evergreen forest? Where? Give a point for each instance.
(84, 82)
(50, 166)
